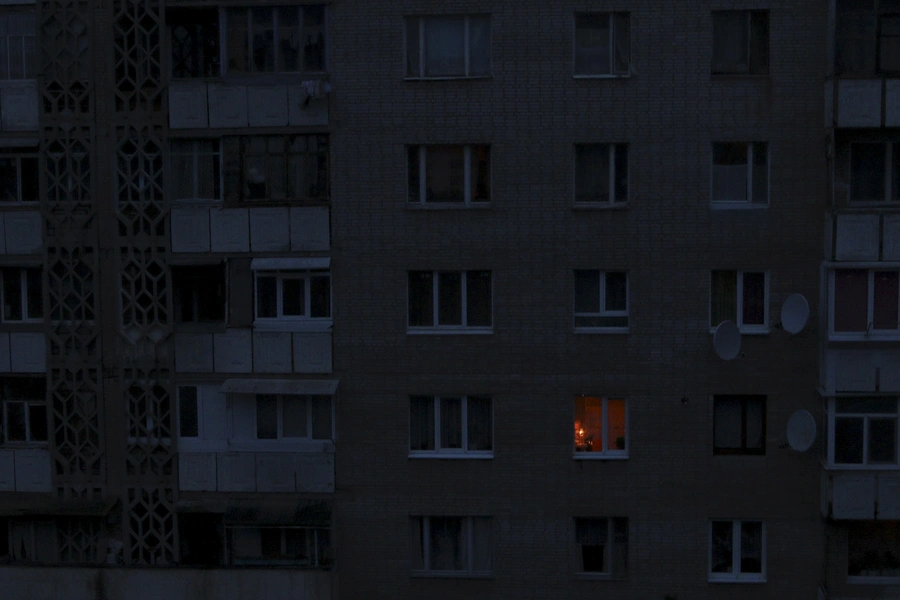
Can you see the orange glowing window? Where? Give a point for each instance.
(600, 427)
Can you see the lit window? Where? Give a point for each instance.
(865, 303)
(864, 431)
(741, 42)
(601, 300)
(601, 546)
(601, 173)
(600, 427)
(737, 551)
(196, 170)
(602, 44)
(740, 173)
(449, 174)
(276, 39)
(292, 416)
(739, 425)
(22, 294)
(741, 297)
(19, 174)
(450, 425)
(448, 46)
(293, 295)
(450, 300)
(451, 545)
(24, 411)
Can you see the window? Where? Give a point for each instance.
(602, 44)
(449, 174)
(198, 293)
(741, 42)
(740, 296)
(600, 427)
(601, 546)
(601, 173)
(448, 46)
(865, 303)
(451, 545)
(284, 168)
(875, 172)
(189, 412)
(22, 297)
(194, 35)
(17, 46)
(864, 431)
(450, 299)
(297, 546)
(601, 300)
(293, 295)
(292, 416)
(740, 173)
(276, 39)
(866, 37)
(196, 170)
(739, 425)
(450, 426)
(873, 548)
(24, 410)
(19, 175)
(737, 551)
(201, 540)
(33, 540)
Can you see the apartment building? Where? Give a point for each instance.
(399, 300)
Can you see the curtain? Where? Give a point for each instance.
(447, 544)
(417, 543)
(622, 37)
(723, 297)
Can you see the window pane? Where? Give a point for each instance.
(727, 422)
(479, 425)
(886, 298)
(9, 189)
(413, 189)
(866, 406)
(759, 42)
(444, 52)
(15, 422)
(263, 38)
(723, 297)
(187, 412)
(730, 43)
(12, 295)
(182, 180)
(293, 297)
(34, 296)
(592, 535)
(16, 57)
(760, 173)
(208, 175)
(421, 299)
(321, 418)
(314, 37)
(889, 43)
(722, 535)
(587, 292)
(288, 38)
(851, 298)
(481, 174)
(867, 172)
(755, 422)
(266, 303)
(451, 423)
(270, 542)
(592, 173)
(621, 173)
(450, 299)
(751, 547)
(882, 440)
(320, 296)
(873, 548)
(622, 42)
(481, 544)
(447, 544)
(37, 422)
(592, 44)
(754, 306)
(237, 48)
(616, 291)
(266, 417)
(730, 172)
(29, 182)
(293, 413)
(615, 415)
(421, 423)
(296, 544)
(479, 46)
(588, 424)
(412, 47)
(478, 298)
(444, 174)
(417, 543)
(848, 440)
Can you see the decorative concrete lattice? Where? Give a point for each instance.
(151, 536)
(66, 180)
(144, 292)
(77, 426)
(150, 424)
(71, 287)
(136, 55)
(139, 173)
(79, 540)
(64, 76)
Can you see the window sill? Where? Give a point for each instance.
(449, 78)
(451, 331)
(873, 579)
(199, 202)
(451, 455)
(863, 337)
(449, 575)
(600, 205)
(8, 445)
(870, 204)
(730, 454)
(301, 446)
(858, 467)
(598, 456)
(737, 579)
(739, 75)
(722, 205)
(19, 204)
(288, 325)
(280, 77)
(747, 330)
(447, 206)
(601, 330)
(191, 327)
(601, 76)
(597, 576)
(278, 203)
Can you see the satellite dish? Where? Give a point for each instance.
(801, 430)
(794, 313)
(727, 340)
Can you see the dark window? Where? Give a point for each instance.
(601, 173)
(188, 412)
(739, 425)
(283, 39)
(741, 42)
(18, 174)
(602, 44)
(24, 415)
(199, 293)
(194, 34)
(22, 295)
(448, 46)
(201, 539)
(602, 546)
(463, 299)
(291, 168)
(438, 174)
(17, 46)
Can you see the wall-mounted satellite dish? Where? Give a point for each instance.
(801, 430)
(794, 313)
(727, 340)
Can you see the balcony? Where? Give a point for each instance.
(856, 494)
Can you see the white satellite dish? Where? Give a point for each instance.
(794, 313)
(727, 340)
(801, 430)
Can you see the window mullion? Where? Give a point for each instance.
(602, 303)
(195, 154)
(309, 416)
(250, 61)
(279, 290)
(865, 447)
(467, 174)
(307, 294)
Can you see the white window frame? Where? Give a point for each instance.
(613, 200)
(462, 451)
(419, 21)
(18, 154)
(744, 328)
(280, 438)
(603, 310)
(464, 328)
(612, 73)
(28, 441)
(316, 561)
(280, 277)
(23, 283)
(736, 576)
(833, 415)
(748, 203)
(467, 177)
(606, 453)
(468, 532)
(223, 37)
(195, 154)
(608, 571)
(19, 17)
(871, 332)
